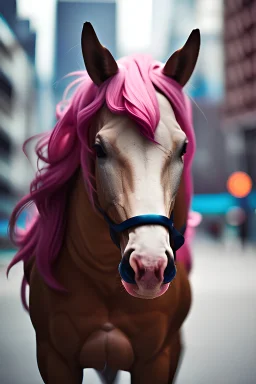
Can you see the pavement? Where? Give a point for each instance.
(219, 333)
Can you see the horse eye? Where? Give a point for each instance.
(184, 148)
(100, 153)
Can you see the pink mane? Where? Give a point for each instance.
(132, 92)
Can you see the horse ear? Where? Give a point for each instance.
(181, 64)
(99, 62)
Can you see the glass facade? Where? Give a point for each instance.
(207, 82)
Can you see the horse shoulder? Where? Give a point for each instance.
(184, 299)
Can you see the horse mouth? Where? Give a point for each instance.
(134, 290)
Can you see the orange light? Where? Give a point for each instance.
(239, 184)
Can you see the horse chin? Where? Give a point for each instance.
(135, 291)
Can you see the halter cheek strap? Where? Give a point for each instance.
(176, 237)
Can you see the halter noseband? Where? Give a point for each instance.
(114, 229)
(177, 238)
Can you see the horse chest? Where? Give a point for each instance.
(115, 344)
(146, 331)
(112, 331)
(96, 343)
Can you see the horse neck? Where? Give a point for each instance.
(87, 236)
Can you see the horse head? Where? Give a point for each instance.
(137, 176)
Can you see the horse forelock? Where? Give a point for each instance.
(132, 92)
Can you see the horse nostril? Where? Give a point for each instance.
(159, 274)
(127, 273)
(154, 271)
(140, 271)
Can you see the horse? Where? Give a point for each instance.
(103, 251)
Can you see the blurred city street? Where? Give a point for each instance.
(40, 44)
(220, 332)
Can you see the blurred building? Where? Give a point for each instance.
(240, 71)
(20, 27)
(187, 15)
(205, 87)
(239, 123)
(17, 107)
(71, 15)
(162, 11)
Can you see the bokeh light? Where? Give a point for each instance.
(239, 184)
(235, 216)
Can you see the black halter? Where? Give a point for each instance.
(176, 237)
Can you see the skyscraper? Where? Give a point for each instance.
(239, 123)
(17, 118)
(20, 27)
(206, 15)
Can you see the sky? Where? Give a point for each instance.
(142, 25)
(42, 16)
